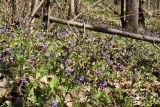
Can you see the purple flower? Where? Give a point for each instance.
(110, 43)
(23, 80)
(99, 73)
(128, 54)
(8, 49)
(50, 33)
(22, 20)
(13, 35)
(38, 34)
(63, 58)
(11, 59)
(102, 84)
(131, 74)
(109, 61)
(42, 45)
(81, 77)
(143, 56)
(26, 30)
(54, 103)
(68, 70)
(71, 43)
(130, 48)
(44, 24)
(93, 58)
(3, 30)
(54, 43)
(121, 67)
(1, 59)
(59, 33)
(132, 64)
(147, 51)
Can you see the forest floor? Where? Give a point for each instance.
(78, 68)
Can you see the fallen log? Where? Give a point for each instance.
(107, 30)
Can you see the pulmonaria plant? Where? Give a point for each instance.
(81, 78)
(102, 84)
(54, 103)
(11, 59)
(3, 30)
(22, 20)
(2, 59)
(68, 71)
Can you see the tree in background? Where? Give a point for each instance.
(116, 2)
(77, 6)
(132, 14)
(122, 18)
(74, 8)
(71, 11)
(141, 13)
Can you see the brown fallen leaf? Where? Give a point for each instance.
(3, 92)
(126, 84)
(46, 79)
(68, 100)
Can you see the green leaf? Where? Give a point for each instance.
(33, 98)
(58, 99)
(53, 82)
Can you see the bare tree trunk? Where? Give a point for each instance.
(132, 14)
(77, 6)
(141, 13)
(158, 6)
(71, 9)
(122, 18)
(13, 2)
(148, 4)
(116, 2)
(48, 14)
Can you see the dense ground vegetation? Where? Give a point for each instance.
(76, 68)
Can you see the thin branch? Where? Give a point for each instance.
(35, 11)
(156, 45)
(86, 10)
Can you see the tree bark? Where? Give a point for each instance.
(77, 6)
(116, 2)
(122, 18)
(71, 9)
(13, 2)
(141, 13)
(158, 6)
(132, 14)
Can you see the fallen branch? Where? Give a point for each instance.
(107, 30)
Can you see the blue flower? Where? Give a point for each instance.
(147, 51)
(102, 84)
(42, 45)
(71, 43)
(39, 34)
(81, 77)
(26, 30)
(22, 20)
(44, 24)
(50, 33)
(11, 59)
(13, 35)
(3, 30)
(109, 61)
(54, 103)
(1, 59)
